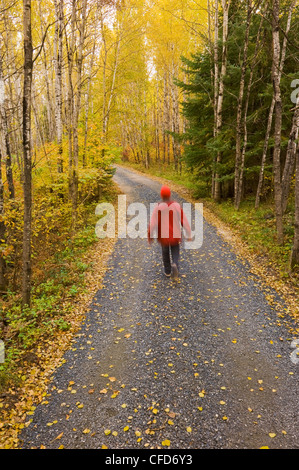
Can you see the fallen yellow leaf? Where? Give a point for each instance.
(166, 442)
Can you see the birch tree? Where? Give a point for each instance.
(290, 157)
(2, 223)
(225, 8)
(278, 122)
(271, 109)
(239, 127)
(216, 75)
(295, 249)
(58, 62)
(27, 233)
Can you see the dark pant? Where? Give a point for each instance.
(175, 253)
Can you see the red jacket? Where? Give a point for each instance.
(168, 219)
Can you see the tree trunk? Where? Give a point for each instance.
(5, 143)
(271, 111)
(175, 120)
(295, 250)
(28, 68)
(72, 175)
(2, 234)
(278, 122)
(225, 7)
(104, 82)
(166, 119)
(290, 157)
(238, 171)
(245, 138)
(87, 99)
(216, 85)
(51, 126)
(77, 105)
(58, 80)
(157, 122)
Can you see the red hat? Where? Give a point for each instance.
(165, 192)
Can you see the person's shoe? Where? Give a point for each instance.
(174, 271)
(167, 275)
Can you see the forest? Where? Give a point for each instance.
(208, 89)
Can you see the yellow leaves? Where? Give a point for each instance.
(126, 428)
(189, 429)
(106, 432)
(234, 341)
(155, 411)
(202, 394)
(51, 424)
(170, 422)
(104, 390)
(166, 443)
(272, 434)
(86, 431)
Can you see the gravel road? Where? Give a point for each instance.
(203, 362)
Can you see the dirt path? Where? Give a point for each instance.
(201, 363)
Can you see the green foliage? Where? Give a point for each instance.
(57, 261)
(200, 144)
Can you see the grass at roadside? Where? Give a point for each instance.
(37, 338)
(59, 284)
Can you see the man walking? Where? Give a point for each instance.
(167, 220)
